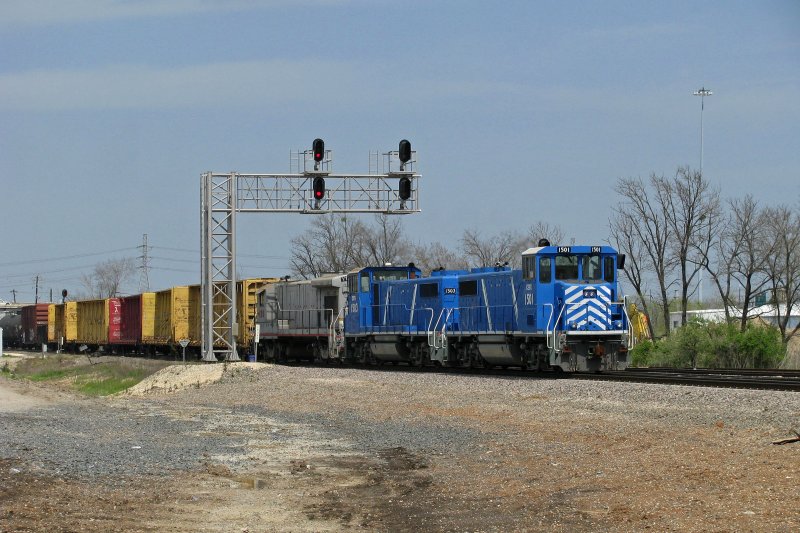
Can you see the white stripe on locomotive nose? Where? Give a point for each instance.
(576, 315)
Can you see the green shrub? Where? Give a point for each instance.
(642, 353)
(713, 345)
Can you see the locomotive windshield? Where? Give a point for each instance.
(591, 268)
(567, 267)
(389, 275)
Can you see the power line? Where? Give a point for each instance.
(197, 252)
(63, 258)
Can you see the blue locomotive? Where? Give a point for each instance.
(562, 310)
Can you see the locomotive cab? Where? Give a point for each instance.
(571, 294)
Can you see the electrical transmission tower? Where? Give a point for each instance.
(311, 189)
(144, 266)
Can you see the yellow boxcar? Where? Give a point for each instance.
(246, 298)
(62, 323)
(98, 321)
(148, 318)
(171, 318)
(246, 309)
(51, 323)
(178, 313)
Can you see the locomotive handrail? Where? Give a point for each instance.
(547, 328)
(434, 330)
(391, 322)
(431, 329)
(627, 321)
(444, 326)
(294, 314)
(469, 316)
(338, 319)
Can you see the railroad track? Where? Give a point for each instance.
(786, 380)
(759, 379)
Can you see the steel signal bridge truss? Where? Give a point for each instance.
(222, 195)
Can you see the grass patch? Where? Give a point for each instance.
(93, 378)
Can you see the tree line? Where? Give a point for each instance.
(340, 243)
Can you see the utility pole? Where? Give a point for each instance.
(14, 294)
(144, 267)
(36, 297)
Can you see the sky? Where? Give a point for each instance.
(520, 111)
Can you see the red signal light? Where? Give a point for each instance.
(318, 147)
(319, 188)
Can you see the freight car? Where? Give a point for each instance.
(34, 326)
(11, 323)
(62, 325)
(99, 323)
(562, 310)
(149, 323)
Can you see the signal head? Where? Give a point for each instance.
(404, 188)
(319, 188)
(318, 147)
(404, 151)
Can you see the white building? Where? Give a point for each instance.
(768, 313)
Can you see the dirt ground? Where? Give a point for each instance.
(592, 472)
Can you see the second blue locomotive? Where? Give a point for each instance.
(562, 310)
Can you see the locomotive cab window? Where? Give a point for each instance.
(545, 270)
(608, 269)
(365, 282)
(529, 267)
(352, 283)
(468, 288)
(567, 267)
(428, 290)
(389, 275)
(591, 268)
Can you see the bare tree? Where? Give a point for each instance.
(650, 229)
(108, 277)
(742, 250)
(624, 238)
(384, 242)
(332, 244)
(337, 243)
(691, 209)
(492, 250)
(783, 264)
(543, 230)
(437, 255)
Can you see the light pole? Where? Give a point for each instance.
(702, 93)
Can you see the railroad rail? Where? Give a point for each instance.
(785, 380)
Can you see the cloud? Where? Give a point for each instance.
(14, 13)
(255, 84)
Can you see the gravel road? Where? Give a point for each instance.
(273, 448)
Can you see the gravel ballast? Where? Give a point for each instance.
(377, 450)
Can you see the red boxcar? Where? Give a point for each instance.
(130, 328)
(34, 325)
